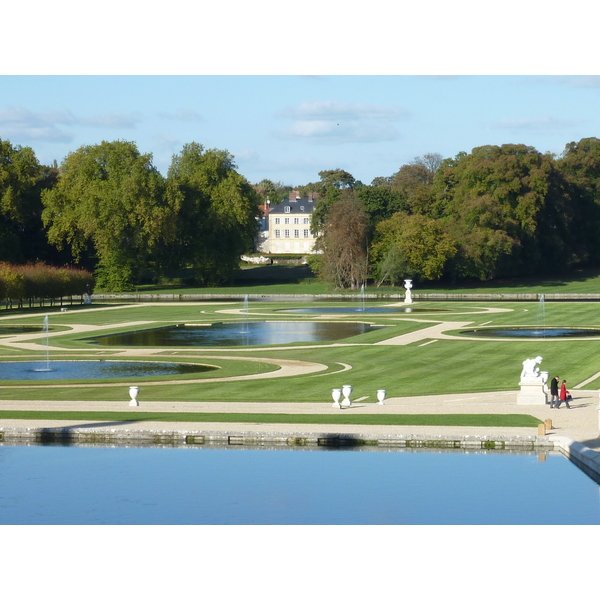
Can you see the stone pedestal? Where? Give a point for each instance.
(532, 391)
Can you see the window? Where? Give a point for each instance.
(277, 220)
(296, 221)
(296, 233)
(306, 233)
(306, 220)
(286, 209)
(286, 221)
(286, 233)
(277, 233)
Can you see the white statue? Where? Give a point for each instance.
(530, 368)
(408, 286)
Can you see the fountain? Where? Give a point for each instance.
(245, 311)
(46, 328)
(362, 296)
(541, 316)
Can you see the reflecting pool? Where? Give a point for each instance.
(366, 309)
(94, 485)
(94, 369)
(252, 333)
(16, 329)
(532, 332)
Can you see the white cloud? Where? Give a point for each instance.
(50, 126)
(341, 122)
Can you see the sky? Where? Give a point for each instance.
(297, 93)
(287, 128)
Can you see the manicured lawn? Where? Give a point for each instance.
(426, 366)
(338, 418)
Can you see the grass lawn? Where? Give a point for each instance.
(426, 366)
(338, 418)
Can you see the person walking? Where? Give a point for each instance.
(563, 395)
(554, 392)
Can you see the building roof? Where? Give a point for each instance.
(300, 206)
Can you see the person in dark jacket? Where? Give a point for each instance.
(563, 395)
(554, 392)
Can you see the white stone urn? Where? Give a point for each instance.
(336, 394)
(134, 390)
(346, 391)
(380, 396)
(408, 297)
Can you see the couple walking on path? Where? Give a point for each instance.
(559, 396)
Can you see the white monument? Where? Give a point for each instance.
(408, 286)
(533, 383)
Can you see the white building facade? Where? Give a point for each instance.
(285, 228)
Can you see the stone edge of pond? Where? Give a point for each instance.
(465, 296)
(167, 437)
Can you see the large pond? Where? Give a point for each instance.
(532, 332)
(94, 369)
(201, 486)
(363, 309)
(252, 333)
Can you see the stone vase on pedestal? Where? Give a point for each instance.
(133, 392)
(346, 390)
(336, 394)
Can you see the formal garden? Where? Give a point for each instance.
(364, 341)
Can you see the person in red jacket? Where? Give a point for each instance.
(563, 395)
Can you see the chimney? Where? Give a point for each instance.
(313, 196)
(294, 195)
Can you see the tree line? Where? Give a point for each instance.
(497, 211)
(107, 208)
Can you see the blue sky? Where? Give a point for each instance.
(288, 128)
(295, 94)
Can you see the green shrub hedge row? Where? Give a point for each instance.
(39, 281)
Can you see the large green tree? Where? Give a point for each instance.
(216, 218)
(510, 211)
(22, 178)
(411, 246)
(109, 196)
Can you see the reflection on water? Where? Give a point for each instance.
(248, 333)
(74, 485)
(366, 309)
(531, 332)
(94, 369)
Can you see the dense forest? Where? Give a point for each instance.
(494, 212)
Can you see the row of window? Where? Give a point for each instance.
(286, 221)
(286, 233)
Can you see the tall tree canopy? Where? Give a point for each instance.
(22, 179)
(217, 210)
(508, 208)
(110, 196)
(344, 243)
(413, 246)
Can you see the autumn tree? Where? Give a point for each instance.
(109, 196)
(344, 243)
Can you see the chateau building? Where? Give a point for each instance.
(285, 227)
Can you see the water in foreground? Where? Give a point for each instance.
(188, 486)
